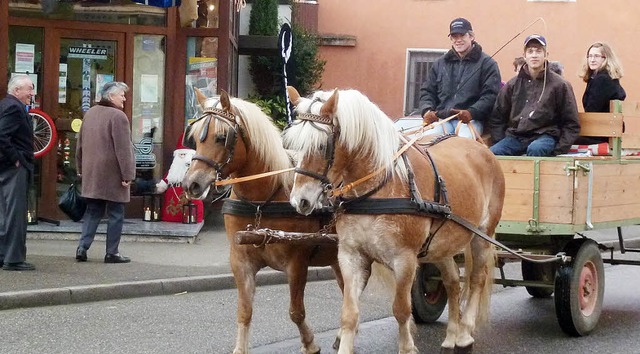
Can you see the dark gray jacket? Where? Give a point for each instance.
(527, 108)
(16, 134)
(470, 83)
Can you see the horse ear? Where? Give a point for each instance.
(200, 96)
(294, 96)
(331, 106)
(225, 101)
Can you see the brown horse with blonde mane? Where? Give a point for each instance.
(234, 138)
(342, 136)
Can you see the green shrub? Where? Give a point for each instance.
(266, 72)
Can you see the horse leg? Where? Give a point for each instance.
(404, 269)
(356, 270)
(451, 281)
(297, 277)
(340, 280)
(478, 289)
(245, 278)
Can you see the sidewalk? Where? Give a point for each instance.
(157, 268)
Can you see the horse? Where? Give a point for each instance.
(381, 216)
(236, 139)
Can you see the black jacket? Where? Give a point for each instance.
(16, 134)
(470, 83)
(527, 108)
(601, 89)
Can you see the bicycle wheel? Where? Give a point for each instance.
(44, 132)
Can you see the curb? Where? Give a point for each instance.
(125, 290)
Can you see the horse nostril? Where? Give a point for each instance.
(195, 189)
(304, 204)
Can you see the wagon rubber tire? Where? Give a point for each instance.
(538, 272)
(44, 132)
(428, 296)
(579, 288)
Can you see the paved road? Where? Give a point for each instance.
(205, 323)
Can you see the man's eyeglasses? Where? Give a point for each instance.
(595, 56)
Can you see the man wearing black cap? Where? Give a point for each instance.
(536, 112)
(465, 81)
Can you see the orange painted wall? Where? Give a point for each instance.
(385, 29)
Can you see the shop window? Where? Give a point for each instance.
(419, 62)
(148, 103)
(109, 11)
(25, 56)
(200, 13)
(202, 72)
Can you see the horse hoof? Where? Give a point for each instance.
(464, 350)
(444, 350)
(336, 344)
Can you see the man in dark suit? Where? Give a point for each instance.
(16, 170)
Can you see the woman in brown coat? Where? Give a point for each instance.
(104, 158)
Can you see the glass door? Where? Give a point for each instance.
(86, 63)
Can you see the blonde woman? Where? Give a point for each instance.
(602, 72)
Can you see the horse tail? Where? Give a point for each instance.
(486, 267)
(483, 249)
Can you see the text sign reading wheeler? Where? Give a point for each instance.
(87, 53)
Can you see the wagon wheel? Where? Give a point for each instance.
(544, 272)
(580, 288)
(428, 296)
(44, 132)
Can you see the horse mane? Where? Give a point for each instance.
(364, 130)
(261, 135)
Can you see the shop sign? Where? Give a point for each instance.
(87, 53)
(145, 158)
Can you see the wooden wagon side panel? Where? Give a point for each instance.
(615, 194)
(518, 200)
(556, 193)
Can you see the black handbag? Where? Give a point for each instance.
(72, 203)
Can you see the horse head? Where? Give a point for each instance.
(235, 138)
(217, 145)
(313, 136)
(340, 136)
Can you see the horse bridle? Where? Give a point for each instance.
(230, 139)
(329, 153)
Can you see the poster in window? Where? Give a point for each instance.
(203, 74)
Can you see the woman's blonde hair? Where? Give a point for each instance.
(610, 63)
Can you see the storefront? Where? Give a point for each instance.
(73, 47)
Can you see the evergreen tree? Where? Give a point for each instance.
(263, 21)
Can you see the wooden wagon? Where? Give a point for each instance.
(549, 201)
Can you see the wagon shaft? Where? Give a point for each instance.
(267, 236)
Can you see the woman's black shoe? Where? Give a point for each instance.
(116, 258)
(81, 254)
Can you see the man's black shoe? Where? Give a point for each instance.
(18, 266)
(81, 254)
(116, 258)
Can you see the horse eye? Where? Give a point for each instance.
(220, 138)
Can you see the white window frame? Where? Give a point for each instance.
(415, 75)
